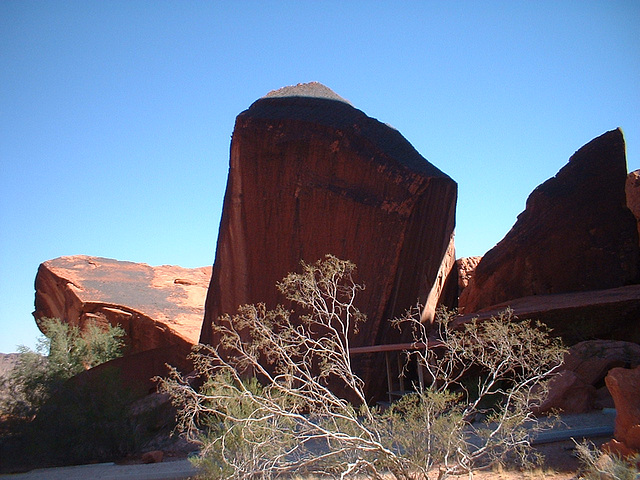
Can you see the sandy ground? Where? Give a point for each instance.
(556, 447)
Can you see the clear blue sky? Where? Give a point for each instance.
(116, 117)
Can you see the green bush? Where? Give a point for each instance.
(49, 419)
(267, 407)
(61, 353)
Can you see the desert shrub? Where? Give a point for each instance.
(61, 353)
(49, 419)
(597, 465)
(267, 408)
(83, 422)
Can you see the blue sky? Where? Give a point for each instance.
(116, 117)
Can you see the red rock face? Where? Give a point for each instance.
(577, 316)
(568, 394)
(624, 385)
(580, 385)
(466, 267)
(576, 234)
(632, 189)
(157, 306)
(312, 176)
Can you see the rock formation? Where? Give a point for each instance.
(600, 314)
(311, 175)
(632, 189)
(580, 385)
(624, 385)
(576, 234)
(466, 267)
(157, 306)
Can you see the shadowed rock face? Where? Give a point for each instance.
(576, 234)
(313, 175)
(577, 316)
(157, 306)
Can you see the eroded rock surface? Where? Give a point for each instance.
(311, 175)
(580, 386)
(632, 189)
(157, 306)
(578, 316)
(624, 385)
(466, 268)
(576, 234)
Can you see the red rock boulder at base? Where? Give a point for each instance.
(579, 387)
(576, 234)
(311, 175)
(624, 385)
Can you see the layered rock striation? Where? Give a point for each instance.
(157, 306)
(576, 234)
(311, 175)
(612, 314)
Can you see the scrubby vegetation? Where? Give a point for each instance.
(47, 418)
(598, 465)
(61, 353)
(266, 406)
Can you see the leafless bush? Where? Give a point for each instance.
(598, 465)
(266, 408)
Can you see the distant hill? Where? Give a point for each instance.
(7, 362)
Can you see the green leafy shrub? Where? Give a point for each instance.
(49, 419)
(61, 353)
(266, 407)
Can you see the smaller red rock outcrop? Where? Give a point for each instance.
(568, 393)
(632, 189)
(466, 267)
(157, 306)
(575, 234)
(624, 385)
(579, 387)
(136, 371)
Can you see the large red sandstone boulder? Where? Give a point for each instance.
(624, 385)
(576, 234)
(157, 306)
(311, 175)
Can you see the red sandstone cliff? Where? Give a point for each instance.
(632, 189)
